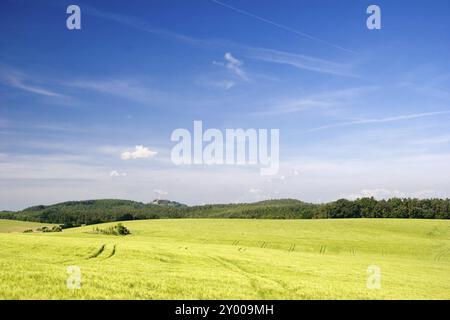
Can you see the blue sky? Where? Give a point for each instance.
(361, 112)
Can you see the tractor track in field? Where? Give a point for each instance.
(263, 245)
(113, 252)
(101, 250)
(98, 252)
(253, 279)
(438, 257)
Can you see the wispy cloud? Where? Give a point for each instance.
(300, 61)
(381, 120)
(24, 82)
(326, 99)
(295, 105)
(282, 26)
(443, 139)
(142, 25)
(303, 62)
(235, 66)
(225, 84)
(220, 84)
(126, 88)
(431, 85)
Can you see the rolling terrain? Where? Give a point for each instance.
(232, 259)
(20, 226)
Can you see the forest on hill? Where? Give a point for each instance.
(76, 213)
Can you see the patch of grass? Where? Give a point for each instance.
(117, 230)
(7, 226)
(233, 259)
(47, 229)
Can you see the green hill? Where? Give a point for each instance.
(76, 213)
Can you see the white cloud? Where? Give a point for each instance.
(255, 190)
(234, 65)
(382, 193)
(116, 173)
(160, 192)
(232, 60)
(138, 153)
(257, 195)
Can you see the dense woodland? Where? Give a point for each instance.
(76, 213)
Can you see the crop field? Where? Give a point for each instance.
(231, 259)
(20, 226)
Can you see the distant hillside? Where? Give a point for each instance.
(75, 213)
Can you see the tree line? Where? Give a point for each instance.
(76, 213)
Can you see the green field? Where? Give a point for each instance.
(232, 259)
(20, 226)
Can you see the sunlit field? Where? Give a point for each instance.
(231, 259)
(20, 226)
